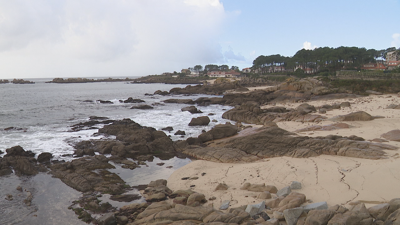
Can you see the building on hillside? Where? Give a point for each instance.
(392, 56)
(306, 70)
(230, 74)
(186, 71)
(391, 65)
(246, 70)
(373, 66)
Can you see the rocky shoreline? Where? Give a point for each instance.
(134, 145)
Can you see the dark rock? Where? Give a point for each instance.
(125, 197)
(200, 121)
(159, 92)
(105, 102)
(191, 109)
(18, 151)
(132, 100)
(180, 101)
(180, 132)
(143, 107)
(168, 129)
(45, 157)
(107, 219)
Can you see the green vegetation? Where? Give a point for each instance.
(320, 60)
(358, 86)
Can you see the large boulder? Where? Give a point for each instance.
(218, 132)
(200, 121)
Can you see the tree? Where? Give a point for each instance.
(235, 68)
(198, 68)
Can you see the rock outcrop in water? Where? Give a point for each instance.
(21, 161)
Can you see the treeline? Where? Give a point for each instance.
(212, 67)
(16, 81)
(322, 59)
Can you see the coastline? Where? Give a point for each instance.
(335, 179)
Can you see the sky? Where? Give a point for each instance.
(126, 38)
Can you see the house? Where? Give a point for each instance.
(373, 66)
(230, 74)
(306, 70)
(391, 65)
(246, 70)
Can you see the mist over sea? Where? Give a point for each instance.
(42, 113)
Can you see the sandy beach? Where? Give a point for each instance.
(334, 179)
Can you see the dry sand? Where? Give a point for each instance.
(335, 179)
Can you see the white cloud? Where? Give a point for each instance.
(307, 45)
(396, 40)
(107, 38)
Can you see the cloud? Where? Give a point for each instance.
(108, 38)
(231, 56)
(307, 45)
(396, 40)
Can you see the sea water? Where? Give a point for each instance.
(42, 114)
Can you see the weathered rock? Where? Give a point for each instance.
(378, 211)
(274, 203)
(191, 109)
(356, 116)
(159, 92)
(329, 127)
(254, 209)
(284, 191)
(393, 135)
(169, 129)
(259, 187)
(221, 186)
(156, 197)
(269, 142)
(293, 200)
(225, 205)
(196, 199)
(357, 215)
(107, 219)
(315, 217)
(345, 104)
(292, 215)
(144, 107)
(132, 100)
(44, 157)
(218, 132)
(305, 108)
(315, 206)
(264, 195)
(180, 200)
(200, 121)
(180, 132)
(180, 101)
(393, 218)
(295, 185)
(181, 193)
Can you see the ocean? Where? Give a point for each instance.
(39, 117)
(42, 114)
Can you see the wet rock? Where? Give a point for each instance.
(159, 92)
(169, 129)
(143, 107)
(105, 102)
(44, 157)
(9, 197)
(132, 100)
(191, 109)
(180, 132)
(200, 121)
(18, 151)
(107, 219)
(125, 197)
(180, 101)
